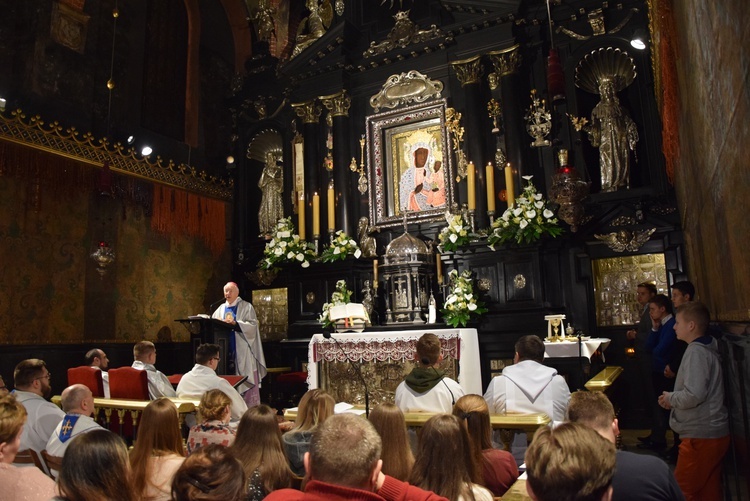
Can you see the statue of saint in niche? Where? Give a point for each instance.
(615, 134)
(271, 185)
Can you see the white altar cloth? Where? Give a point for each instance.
(566, 349)
(461, 344)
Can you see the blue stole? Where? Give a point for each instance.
(232, 355)
(68, 423)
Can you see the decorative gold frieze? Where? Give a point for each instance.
(506, 61)
(338, 104)
(309, 111)
(52, 137)
(468, 71)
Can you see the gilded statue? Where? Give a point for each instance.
(314, 25)
(615, 134)
(271, 185)
(367, 243)
(264, 20)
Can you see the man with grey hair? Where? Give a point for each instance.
(344, 463)
(78, 404)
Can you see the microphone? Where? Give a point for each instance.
(357, 369)
(211, 306)
(426, 361)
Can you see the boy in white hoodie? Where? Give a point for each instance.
(528, 386)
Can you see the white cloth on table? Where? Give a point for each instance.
(158, 383)
(249, 349)
(566, 349)
(200, 379)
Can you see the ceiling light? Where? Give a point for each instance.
(146, 151)
(639, 40)
(131, 139)
(2, 104)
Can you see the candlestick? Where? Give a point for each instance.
(439, 265)
(375, 274)
(490, 171)
(331, 208)
(301, 216)
(316, 213)
(509, 185)
(470, 186)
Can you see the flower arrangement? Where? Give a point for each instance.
(527, 221)
(341, 247)
(286, 246)
(341, 295)
(461, 302)
(455, 235)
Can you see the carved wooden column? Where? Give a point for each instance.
(506, 63)
(469, 72)
(309, 112)
(338, 105)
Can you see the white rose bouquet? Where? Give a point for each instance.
(341, 247)
(455, 235)
(528, 220)
(341, 295)
(286, 247)
(461, 302)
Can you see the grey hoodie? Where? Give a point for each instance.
(698, 409)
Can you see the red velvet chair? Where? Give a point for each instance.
(127, 382)
(87, 376)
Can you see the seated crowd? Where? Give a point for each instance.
(233, 453)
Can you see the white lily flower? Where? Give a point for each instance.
(548, 213)
(539, 204)
(517, 211)
(336, 251)
(528, 178)
(278, 251)
(306, 264)
(469, 296)
(531, 214)
(357, 253)
(285, 234)
(453, 238)
(472, 306)
(537, 196)
(523, 224)
(290, 255)
(300, 257)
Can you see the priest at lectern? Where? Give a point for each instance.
(245, 353)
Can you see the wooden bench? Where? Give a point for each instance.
(604, 380)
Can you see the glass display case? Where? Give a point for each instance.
(615, 283)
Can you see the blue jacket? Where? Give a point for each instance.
(660, 344)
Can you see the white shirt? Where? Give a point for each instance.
(529, 387)
(56, 447)
(43, 417)
(158, 384)
(437, 399)
(201, 379)
(105, 381)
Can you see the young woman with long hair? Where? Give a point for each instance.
(158, 451)
(444, 463)
(315, 407)
(258, 447)
(215, 412)
(95, 466)
(397, 457)
(499, 469)
(210, 474)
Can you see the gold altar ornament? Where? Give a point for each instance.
(538, 121)
(555, 324)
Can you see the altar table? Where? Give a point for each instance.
(565, 349)
(397, 346)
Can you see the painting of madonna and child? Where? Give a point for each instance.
(419, 173)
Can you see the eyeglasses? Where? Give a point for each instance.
(47, 376)
(216, 358)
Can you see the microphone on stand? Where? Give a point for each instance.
(357, 369)
(426, 361)
(211, 306)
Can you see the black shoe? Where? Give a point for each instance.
(650, 445)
